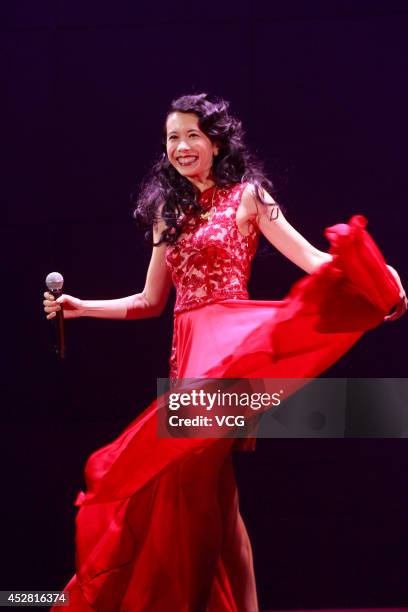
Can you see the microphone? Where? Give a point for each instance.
(55, 282)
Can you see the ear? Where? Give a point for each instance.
(216, 147)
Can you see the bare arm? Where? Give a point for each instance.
(281, 234)
(149, 303)
(293, 245)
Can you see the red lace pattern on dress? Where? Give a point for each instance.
(211, 261)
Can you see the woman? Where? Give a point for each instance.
(159, 526)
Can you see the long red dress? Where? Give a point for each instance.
(159, 528)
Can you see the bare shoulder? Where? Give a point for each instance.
(250, 208)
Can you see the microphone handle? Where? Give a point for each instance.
(59, 326)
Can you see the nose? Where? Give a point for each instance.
(182, 146)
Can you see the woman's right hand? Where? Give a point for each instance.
(73, 307)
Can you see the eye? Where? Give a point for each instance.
(172, 137)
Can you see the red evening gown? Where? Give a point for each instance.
(159, 528)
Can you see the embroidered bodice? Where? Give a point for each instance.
(211, 261)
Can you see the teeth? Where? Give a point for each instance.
(185, 161)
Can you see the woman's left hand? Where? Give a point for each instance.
(402, 306)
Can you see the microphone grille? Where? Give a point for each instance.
(54, 281)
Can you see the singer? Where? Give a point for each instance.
(159, 527)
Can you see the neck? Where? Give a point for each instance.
(202, 183)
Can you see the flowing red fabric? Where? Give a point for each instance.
(159, 528)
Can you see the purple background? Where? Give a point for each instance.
(321, 89)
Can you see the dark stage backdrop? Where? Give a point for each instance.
(321, 89)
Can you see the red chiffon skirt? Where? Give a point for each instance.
(159, 527)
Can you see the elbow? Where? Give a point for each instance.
(156, 311)
(152, 308)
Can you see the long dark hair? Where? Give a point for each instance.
(177, 195)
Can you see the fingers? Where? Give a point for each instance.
(400, 310)
(51, 306)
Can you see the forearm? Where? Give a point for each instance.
(315, 260)
(130, 307)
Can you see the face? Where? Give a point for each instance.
(189, 150)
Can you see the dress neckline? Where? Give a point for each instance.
(206, 191)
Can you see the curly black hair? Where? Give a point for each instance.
(166, 187)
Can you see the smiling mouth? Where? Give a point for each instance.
(188, 160)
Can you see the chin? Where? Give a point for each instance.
(186, 173)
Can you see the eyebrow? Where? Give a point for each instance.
(175, 131)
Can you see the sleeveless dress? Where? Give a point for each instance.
(159, 527)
